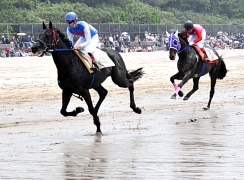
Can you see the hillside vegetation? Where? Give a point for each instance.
(124, 11)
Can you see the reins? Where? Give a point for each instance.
(180, 51)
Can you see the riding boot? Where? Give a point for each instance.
(94, 67)
(206, 57)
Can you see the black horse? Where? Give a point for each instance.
(190, 65)
(75, 79)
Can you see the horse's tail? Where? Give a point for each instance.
(135, 74)
(222, 70)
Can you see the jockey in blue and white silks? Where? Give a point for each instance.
(88, 35)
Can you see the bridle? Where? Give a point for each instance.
(51, 46)
(174, 42)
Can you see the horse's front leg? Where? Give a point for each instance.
(194, 89)
(66, 95)
(87, 97)
(176, 87)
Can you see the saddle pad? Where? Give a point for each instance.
(102, 59)
(211, 55)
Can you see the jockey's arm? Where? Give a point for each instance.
(87, 37)
(70, 36)
(199, 35)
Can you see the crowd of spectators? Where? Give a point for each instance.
(123, 43)
(225, 41)
(19, 46)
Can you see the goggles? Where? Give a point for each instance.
(70, 21)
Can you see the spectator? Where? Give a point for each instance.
(11, 51)
(111, 40)
(3, 55)
(15, 42)
(6, 51)
(18, 53)
(137, 39)
(166, 42)
(118, 48)
(32, 40)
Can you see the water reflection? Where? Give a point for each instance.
(205, 148)
(83, 160)
(191, 150)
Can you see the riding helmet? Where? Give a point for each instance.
(188, 25)
(71, 16)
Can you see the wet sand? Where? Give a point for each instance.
(171, 139)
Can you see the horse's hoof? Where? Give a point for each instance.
(173, 96)
(180, 93)
(138, 110)
(79, 109)
(185, 98)
(206, 108)
(99, 133)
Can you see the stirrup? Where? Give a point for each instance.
(206, 59)
(95, 69)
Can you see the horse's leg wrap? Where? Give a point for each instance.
(177, 89)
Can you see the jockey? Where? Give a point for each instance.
(196, 35)
(88, 36)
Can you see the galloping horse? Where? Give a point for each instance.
(74, 78)
(190, 65)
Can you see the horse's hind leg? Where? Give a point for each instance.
(212, 91)
(132, 100)
(122, 79)
(102, 94)
(194, 89)
(66, 95)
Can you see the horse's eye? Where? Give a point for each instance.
(175, 42)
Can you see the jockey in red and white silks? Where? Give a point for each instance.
(196, 35)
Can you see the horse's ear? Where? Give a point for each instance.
(44, 26)
(50, 25)
(167, 34)
(176, 33)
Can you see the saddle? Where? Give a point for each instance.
(85, 58)
(100, 56)
(211, 55)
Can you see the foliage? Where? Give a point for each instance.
(124, 11)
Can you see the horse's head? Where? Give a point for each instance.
(174, 44)
(48, 40)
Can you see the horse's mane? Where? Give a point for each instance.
(183, 36)
(63, 37)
